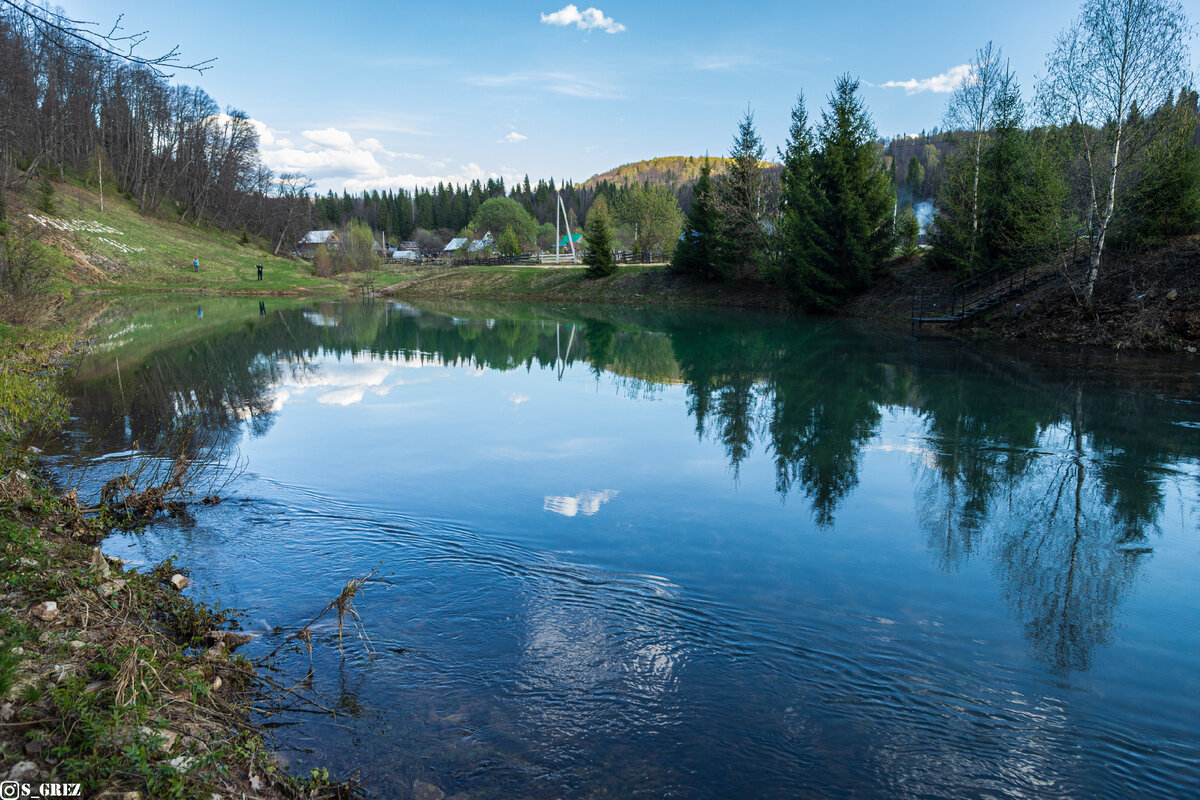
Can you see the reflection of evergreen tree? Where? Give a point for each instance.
(815, 407)
(599, 336)
(824, 409)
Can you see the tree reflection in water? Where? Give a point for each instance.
(1037, 464)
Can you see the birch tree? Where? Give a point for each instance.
(1120, 55)
(971, 112)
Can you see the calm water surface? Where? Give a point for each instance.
(696, 554)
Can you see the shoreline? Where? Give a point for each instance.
(1149, 301)
(112, 678)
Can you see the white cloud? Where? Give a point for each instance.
(515, 137)
(330, 137)
(335, 160)
(516, 398)
(586, 20)
(557, 82)
(948, 81)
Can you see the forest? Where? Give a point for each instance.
(1103, 159)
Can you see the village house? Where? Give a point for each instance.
(307, 246)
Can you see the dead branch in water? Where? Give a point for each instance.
(343, 604)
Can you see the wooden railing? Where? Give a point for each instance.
(950, 306)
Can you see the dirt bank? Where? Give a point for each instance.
(1142, 301)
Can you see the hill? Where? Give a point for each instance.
(676, 172)
(123, 249)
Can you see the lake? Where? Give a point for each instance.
(693, 554)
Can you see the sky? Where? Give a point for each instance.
(364, 95)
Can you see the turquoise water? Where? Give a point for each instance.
(629, 553)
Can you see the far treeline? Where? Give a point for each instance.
(1111, 161)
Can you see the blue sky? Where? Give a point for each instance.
(373, 95)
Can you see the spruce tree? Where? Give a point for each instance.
(1165, 200)
(695, 252)
(804, 256)
(1008, 212)
(914, 180)
(741, 244)
(857, 188)
(598, 233)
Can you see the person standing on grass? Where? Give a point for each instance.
(196, 264)
(260, 272)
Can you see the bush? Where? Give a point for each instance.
(26, 267)
(322, 263)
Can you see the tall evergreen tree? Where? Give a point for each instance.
(696, 252)
(1165, 200)
(857, 188)
(598, 233)
(804, 256)
(741, 246)
(1008, 209)
(914, 180)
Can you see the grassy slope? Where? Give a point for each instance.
(165, 261)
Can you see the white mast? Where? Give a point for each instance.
(570, 240)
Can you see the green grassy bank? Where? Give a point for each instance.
(653, 285)
(122, 249)
(111, 678)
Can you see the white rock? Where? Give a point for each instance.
(182, 763)
(111, 588)
(47, 610)
(216, 684)
(179, 581)
(100, 563)
(23, 772)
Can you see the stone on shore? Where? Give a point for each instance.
(46, 611)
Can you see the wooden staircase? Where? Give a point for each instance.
(966, 299)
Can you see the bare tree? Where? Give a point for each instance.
(83, 38)
(1120, 55)
(295, 206)
(972, 112)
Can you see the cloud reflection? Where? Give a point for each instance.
(587, 502)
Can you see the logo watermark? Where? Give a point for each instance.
(13, 790)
